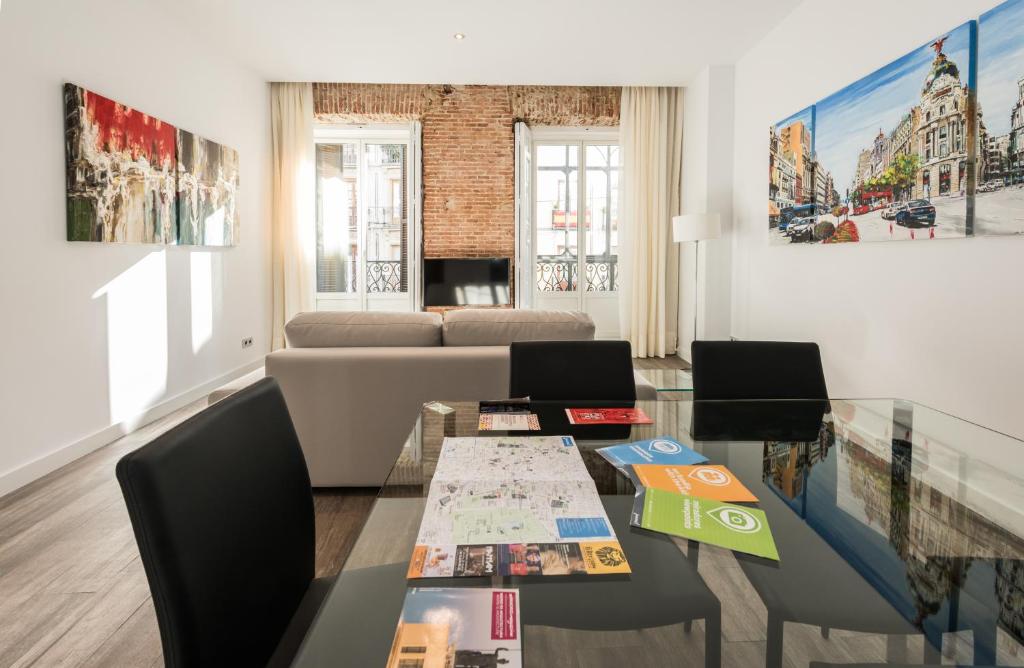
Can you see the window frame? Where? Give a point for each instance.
(580, 137)
(361, 135)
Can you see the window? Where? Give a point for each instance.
(415, 649)
(410, 663)
(364, 229)
(563, 170)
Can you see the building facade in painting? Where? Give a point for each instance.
(1016, 147)
(943, 138)
(795, 146)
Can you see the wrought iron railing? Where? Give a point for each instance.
(383, 276)
(559, 273)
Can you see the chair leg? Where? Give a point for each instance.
(773, 648)
(932, 654)
(896, 649)
(713, 641)
(985, 636)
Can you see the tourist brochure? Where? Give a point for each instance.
(733, 527)
(584, 416)
(514, 505)
(466, 626)
(509, 422)
(705, 480)
(661, 450)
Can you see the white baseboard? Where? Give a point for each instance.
(37, 468)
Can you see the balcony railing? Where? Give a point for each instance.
(559, 273)
(383, 276)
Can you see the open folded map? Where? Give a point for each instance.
(516, 505)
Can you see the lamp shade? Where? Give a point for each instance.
(696, 227)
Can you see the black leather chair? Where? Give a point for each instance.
(572, 370)
(757, 370)
(222, 510)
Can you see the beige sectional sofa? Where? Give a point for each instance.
(355, 382)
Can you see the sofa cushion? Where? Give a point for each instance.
(501, 327)
(347, 329)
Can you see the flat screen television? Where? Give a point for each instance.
(466, 281)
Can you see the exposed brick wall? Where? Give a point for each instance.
(469, 175)
(468, 148)
(566, 105)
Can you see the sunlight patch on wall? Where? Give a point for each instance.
(201, 285)
(136, 303)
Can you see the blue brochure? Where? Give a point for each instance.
(661, 450)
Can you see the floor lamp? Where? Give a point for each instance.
(696, 227)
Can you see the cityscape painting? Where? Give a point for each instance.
(999, 199)
(207, 180)
(119, 171)
(791, 187)
(892, 152)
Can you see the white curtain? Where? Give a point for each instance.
(651, 135)
(294, 191)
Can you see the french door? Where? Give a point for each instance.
(366, 219)
(575, 234)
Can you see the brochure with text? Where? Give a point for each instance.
(661, 450)
(733, 527)
(458, 627)
(706, 480)
(514, 505)
(509, 422)
(583, 416)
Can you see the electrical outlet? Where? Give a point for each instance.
(247, 342)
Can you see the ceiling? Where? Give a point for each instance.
(583, 42)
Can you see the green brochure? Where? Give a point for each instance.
(724, 524)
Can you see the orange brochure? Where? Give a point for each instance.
(704, 480)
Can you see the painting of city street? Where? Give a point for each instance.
(999, 200)
(891, 153)
(791, 172)
(120, 171)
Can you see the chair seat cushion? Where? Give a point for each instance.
(501, 327)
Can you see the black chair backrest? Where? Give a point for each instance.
(757, 370)
(222, 510)
(572, 370)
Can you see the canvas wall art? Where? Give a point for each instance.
(120, 171)
(791, 187)
(207, 187)
(894, 153)
(999, 198)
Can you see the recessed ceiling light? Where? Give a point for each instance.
(459, 36)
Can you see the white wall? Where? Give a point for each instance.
(93, 335)
(940, 322)
(707, 187)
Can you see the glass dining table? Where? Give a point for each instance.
(900, 532)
